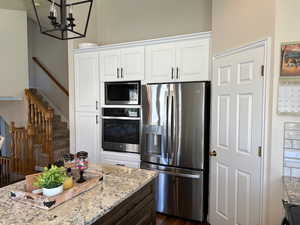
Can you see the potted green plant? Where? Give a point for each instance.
(51, 180)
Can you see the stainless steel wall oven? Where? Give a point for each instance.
(121, 129)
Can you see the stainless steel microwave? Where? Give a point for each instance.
(122, 93)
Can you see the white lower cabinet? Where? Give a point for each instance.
(121, 159)
(88, 135)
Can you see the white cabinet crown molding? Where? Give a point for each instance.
(201, 35)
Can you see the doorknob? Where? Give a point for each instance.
(213, 153)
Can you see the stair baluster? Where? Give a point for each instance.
(41, 118)
(22, 158)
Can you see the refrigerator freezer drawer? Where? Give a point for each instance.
(179, 193)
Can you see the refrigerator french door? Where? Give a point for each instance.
(175, 142)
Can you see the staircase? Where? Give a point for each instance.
(44, 140)
(60, 136)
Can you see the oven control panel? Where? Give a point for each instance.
(121, 112)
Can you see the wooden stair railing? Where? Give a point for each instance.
(22, 160)
(61, 87)
(41, 118)
(5, 166)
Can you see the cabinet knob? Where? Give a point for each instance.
(213, 154)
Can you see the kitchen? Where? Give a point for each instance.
(154, 88)
(157, 120)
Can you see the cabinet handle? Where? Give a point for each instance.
(172, 73)
(121, 72)
(177, 72)
(118, 164)
(118, 71)
(97, 105)
(97, 119)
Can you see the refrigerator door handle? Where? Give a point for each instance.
(169, 126)
(192, 176)
(168, 130)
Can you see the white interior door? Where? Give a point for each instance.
(133, 63)
(236, 135)
(87, 82)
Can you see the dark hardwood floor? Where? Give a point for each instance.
(168, 220)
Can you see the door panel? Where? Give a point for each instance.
(222, 204)
(223, 121)
(160, 64)
(236, 135)
(110, 65)
(132, 63)
(87, 78)
(192, 60)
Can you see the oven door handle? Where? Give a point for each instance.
(120, 118)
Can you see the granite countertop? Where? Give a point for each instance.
(118, 184)
(291, 190)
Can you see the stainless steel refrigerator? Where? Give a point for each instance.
(175, 142)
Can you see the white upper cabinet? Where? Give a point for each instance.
(133, 63)
(87, 82)
(179, 61)
(160, 62)
(122, 64)
(192, 59)
(110, 65)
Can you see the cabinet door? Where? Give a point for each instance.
(132, 63)
(110, 65)
(88, 135)
(192, 60)
(160, 63)
(87, 82)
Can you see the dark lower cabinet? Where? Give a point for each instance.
(292, 214)
(139, 209)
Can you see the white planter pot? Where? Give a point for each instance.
(53, 191)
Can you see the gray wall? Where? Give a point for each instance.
(54, 55)
(236, 22)
(131, 20)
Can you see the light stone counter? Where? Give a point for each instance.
(119, 183)
(291, 189)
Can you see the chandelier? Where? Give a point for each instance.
(60, 18)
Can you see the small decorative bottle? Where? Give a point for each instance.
(69, 183)
(81, 164)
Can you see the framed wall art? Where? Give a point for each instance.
(290, 60)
